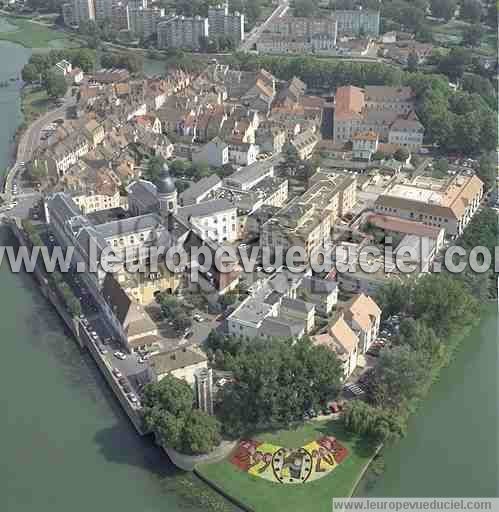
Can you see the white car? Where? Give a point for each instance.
(133, 398)
(198, 317)
(117, 373)
(120, 355)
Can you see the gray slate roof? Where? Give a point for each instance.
(129, 226)
(205, 208)
(199, 188)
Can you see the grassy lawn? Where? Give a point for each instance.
(262, 495)
(452, 33)
(34, 35)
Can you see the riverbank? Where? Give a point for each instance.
(455, 427)
(34, 35)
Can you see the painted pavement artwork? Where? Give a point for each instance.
(289, 465)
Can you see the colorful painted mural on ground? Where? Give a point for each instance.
(289, 465)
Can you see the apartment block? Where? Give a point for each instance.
(308, 219)
(182, 32)
(223, 23)
(83, 10)
(358, 22)
(288, 34)
(144, 21)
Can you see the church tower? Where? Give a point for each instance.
(167, 192)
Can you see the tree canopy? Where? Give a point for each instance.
(169, 412)
(444, 9)
(277, 381)
(56, 85)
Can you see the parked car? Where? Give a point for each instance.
(132, 398)
(117, 373)
(126, 388)
(120, 355)
(198, 317)
(102, 349)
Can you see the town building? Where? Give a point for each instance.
(343, 341)
(215, 153)
(182, 363)
(129, 319)
(103, 9)
(200, 190)
(144, 21)
(272, 309)
(270, 138)
(248, 177)
(385, 111)
(242, 154)
(363, 316)
(449, 204)
(161, 197)
(365, 144)
(182, 32)
(321, 292)
(83, 10)
(307, 220)
(358, 22)
(288, 34)
(68, 14)
(215, 219)
(223, 23)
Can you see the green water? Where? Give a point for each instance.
(452, 448)
(66, 446)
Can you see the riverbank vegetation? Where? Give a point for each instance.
(435, 311)
(40, 65)
(36, 35)
(55, 279)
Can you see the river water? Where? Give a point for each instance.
(65, 445)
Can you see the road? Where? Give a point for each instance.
(29, 141)
(255, 34)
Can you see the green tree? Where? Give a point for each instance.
(472, 35)
(412, 62)
(487, 169)
(402, 154)
(201, 433)
(455, 63)
(444, 303)
(170, 394)
(30, 73)
(56, 85)
(84, 59)
(420, 337)
(398, 378)
(394, 298)
(471, 10)
(154, 167)
(277, 381)
(443, 9)
(440, 167)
